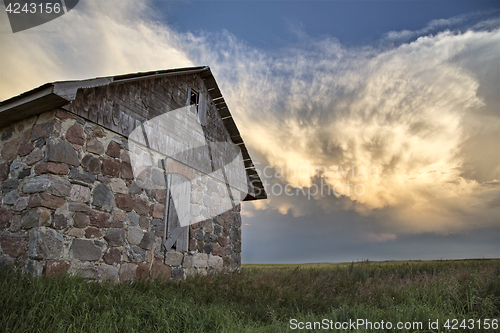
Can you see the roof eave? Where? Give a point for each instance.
(29, 104)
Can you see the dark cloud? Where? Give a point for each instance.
(341, 237)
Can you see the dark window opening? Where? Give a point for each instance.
(194, 100)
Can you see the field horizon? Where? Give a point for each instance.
(264, 298)
(365, 260)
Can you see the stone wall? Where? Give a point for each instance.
(70, 203)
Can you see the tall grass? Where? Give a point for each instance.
(260, 299)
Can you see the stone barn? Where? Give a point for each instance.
(124, 177)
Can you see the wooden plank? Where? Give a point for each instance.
(224, 112)
(232, 130)
(100, 114)
(244, 150)
(252, 172)
(137, 124)
(188, 100)
(174, 236)
(166, 205)
(248, 164)
(228, 122)
(123, 128)
(220, 103)
(174, 228)
(202, 110)
(181, 193)
(131, 125)
(206, 73)
(93, 111)
(237, 140)
(107, 115)
(235, 135)
(215, 93)
(210, 82)
(75, 108)
(82, 105)
(258, 190)
(115, 116)
(245, 155)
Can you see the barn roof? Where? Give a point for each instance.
(58, 94)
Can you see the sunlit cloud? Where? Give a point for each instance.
(97, 38)
(401, 110)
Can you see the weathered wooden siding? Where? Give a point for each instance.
(121, 107)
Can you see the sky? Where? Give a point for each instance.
(375, 125)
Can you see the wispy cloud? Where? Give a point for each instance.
(97, 38)
(476, 20)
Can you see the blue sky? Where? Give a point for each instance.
(271, 24)
(410, 88)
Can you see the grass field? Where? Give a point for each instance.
(262, 298)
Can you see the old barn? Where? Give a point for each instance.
(124, 177)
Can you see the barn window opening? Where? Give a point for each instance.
(194, 100)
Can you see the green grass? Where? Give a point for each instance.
(263, 298)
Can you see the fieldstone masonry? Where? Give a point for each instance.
(70, 203)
